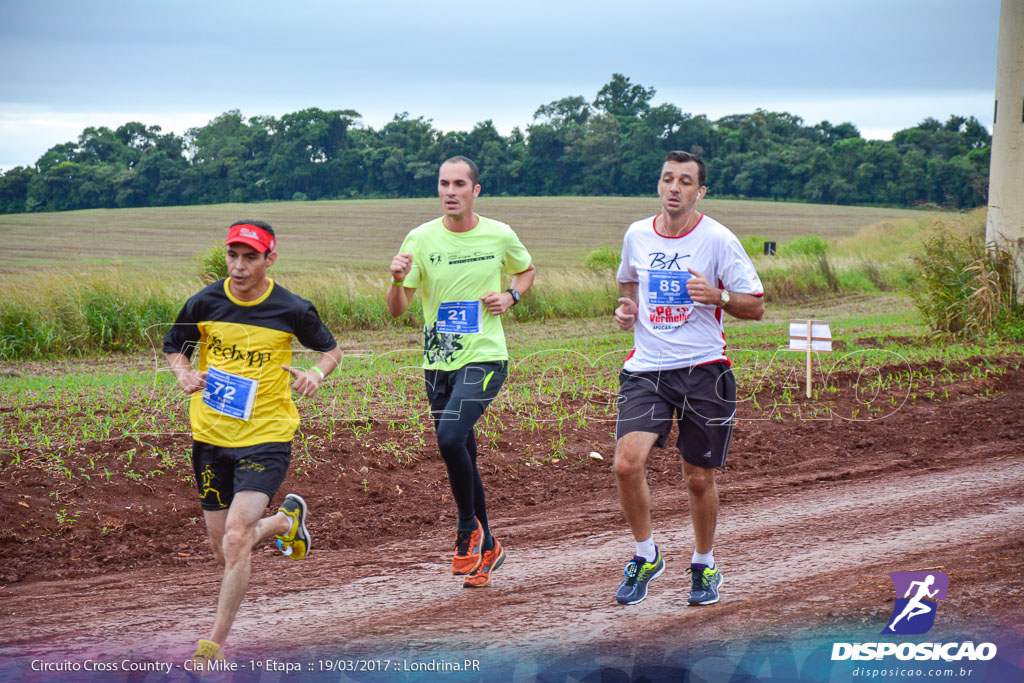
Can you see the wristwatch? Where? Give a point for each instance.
(723, 301)
(515, 296)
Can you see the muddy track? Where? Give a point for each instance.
(818, 542)
(807, 537)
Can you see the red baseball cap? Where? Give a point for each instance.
(254, 236)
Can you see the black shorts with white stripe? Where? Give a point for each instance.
(701, 399)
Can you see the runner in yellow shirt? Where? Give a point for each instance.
(242, 414)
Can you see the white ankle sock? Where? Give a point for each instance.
(707, 559)
(646, 549)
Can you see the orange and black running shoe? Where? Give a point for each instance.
(467, 550)
(490, 560)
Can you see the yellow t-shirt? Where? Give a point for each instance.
(250, 340)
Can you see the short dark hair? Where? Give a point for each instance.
(474, 172)
(684, 157)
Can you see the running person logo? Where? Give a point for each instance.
(917, 596)
(208, 477)
(914, 612)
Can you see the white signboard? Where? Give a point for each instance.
(810, 336)
(821, 336)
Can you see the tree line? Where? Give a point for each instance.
(609, 146)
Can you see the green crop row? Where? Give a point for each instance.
(70, 416)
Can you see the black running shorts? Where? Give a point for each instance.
(701, 399)
(473, 383)
(221, 471)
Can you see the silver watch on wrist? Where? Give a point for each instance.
(724, 299)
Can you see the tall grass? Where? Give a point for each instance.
(67, 313)
(355, 302)
(967, 287)
(568, 294)
(74, 313)
(808, 245)
(878, 258)
(212, 265)
(603, 259)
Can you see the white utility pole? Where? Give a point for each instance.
(1006, 175)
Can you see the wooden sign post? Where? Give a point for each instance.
(812, 336)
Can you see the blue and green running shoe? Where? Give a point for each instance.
(639, 572)
(705, 583)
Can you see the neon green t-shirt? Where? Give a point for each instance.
(453, 271)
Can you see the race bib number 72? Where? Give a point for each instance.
(229, 394)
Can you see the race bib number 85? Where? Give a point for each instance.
(229, 394)
(459, 317)
(668, 288)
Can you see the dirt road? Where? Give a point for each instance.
(815, 515)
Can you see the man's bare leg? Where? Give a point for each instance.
(700, 484)
(215, 523)
(631, 452)
(244, 528)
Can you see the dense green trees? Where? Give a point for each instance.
(611, 146)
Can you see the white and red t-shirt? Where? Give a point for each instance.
(673, 331)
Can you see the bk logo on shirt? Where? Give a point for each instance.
(663, 261)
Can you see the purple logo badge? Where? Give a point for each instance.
(917, 596)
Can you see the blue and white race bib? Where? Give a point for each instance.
(459, 317)
(668, 287)
(229, 394)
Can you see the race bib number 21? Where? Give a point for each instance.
(459, 317)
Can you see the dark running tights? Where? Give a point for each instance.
(457, 400)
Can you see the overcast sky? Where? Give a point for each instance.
(881, 64)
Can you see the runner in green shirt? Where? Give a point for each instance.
(458, 260)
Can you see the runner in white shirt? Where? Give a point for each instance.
(679, 271)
